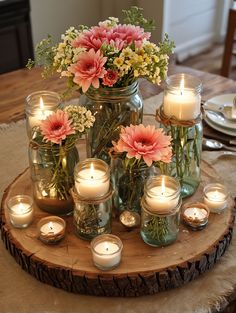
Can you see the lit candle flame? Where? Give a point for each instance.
(50, 226)
(163, 187)
(106, 246)
(215, 195)
(41, 103)
(91, 170)
(181, 87)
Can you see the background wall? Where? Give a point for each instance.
(55, 16)
(193, 25)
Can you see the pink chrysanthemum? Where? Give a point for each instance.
(93, 38)
(120, 37)
(129, 34)
(88, 69)
(144, 142)
(110, 78)
(56, 127)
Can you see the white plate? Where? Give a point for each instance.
(225, 131)
(226, 99)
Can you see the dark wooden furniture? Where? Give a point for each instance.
(229, 41)
(15, 35)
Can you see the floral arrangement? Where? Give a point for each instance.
(55, 139)
(135, 156)
(108, 55)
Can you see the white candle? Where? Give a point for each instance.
(92, 183)
(215, 200)
(161, 198)
(196, 214)
(39, 114)
(106, 254)
(21, 214)
(182, 103)
(51, 228)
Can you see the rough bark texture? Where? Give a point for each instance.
(37, 259)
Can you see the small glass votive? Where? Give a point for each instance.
(51, 229)
(21, 211)
(161, 193)
(195, 215)
(39, 105)
(106, 251)
(216, 197)
(92, 178)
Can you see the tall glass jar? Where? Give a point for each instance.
(180, 116)
(128, 185)
(113, 108)
(160, 215)
(52, 171)
(39, 105)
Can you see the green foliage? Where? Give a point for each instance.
(167, 45)
(134, 16)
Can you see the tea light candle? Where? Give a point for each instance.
(20, 209)
(51, 229)
(195, 215)
(161, 198)
(181, 102)
(215, 197)
(92, 179)
(106, 251)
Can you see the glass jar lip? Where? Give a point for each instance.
(195, 204)
(163, 213)
(20, 199)
(82, 165)
(151, 179)
(32, 97)
(191, 82)
(216, 187)
(110, 238)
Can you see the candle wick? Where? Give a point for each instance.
(106, 249)
(91, 177)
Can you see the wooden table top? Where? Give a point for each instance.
(16, 85)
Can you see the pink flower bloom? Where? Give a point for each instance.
(56, 127)
(144, 142)
(129, 34)
(120, 37)
(93, 38)
(110, 78)
(88, 69)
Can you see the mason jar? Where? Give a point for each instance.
(113, 108)
(181, 119)
(160, 214)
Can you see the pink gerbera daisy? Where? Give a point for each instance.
(88, 69)
(56, 127)
(145, 142)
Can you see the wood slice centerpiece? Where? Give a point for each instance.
(143, 269)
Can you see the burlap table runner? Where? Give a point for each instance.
(20, 292)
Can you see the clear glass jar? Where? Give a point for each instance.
(52, 170)
(187, 150)
(181, 120)
(106, 252)
(216, 197)
(160, 213)
(92, 179)
(21, 211)
(160, 228)
(92, 218)
(39, 105)
(129, 185)
(113, 108)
